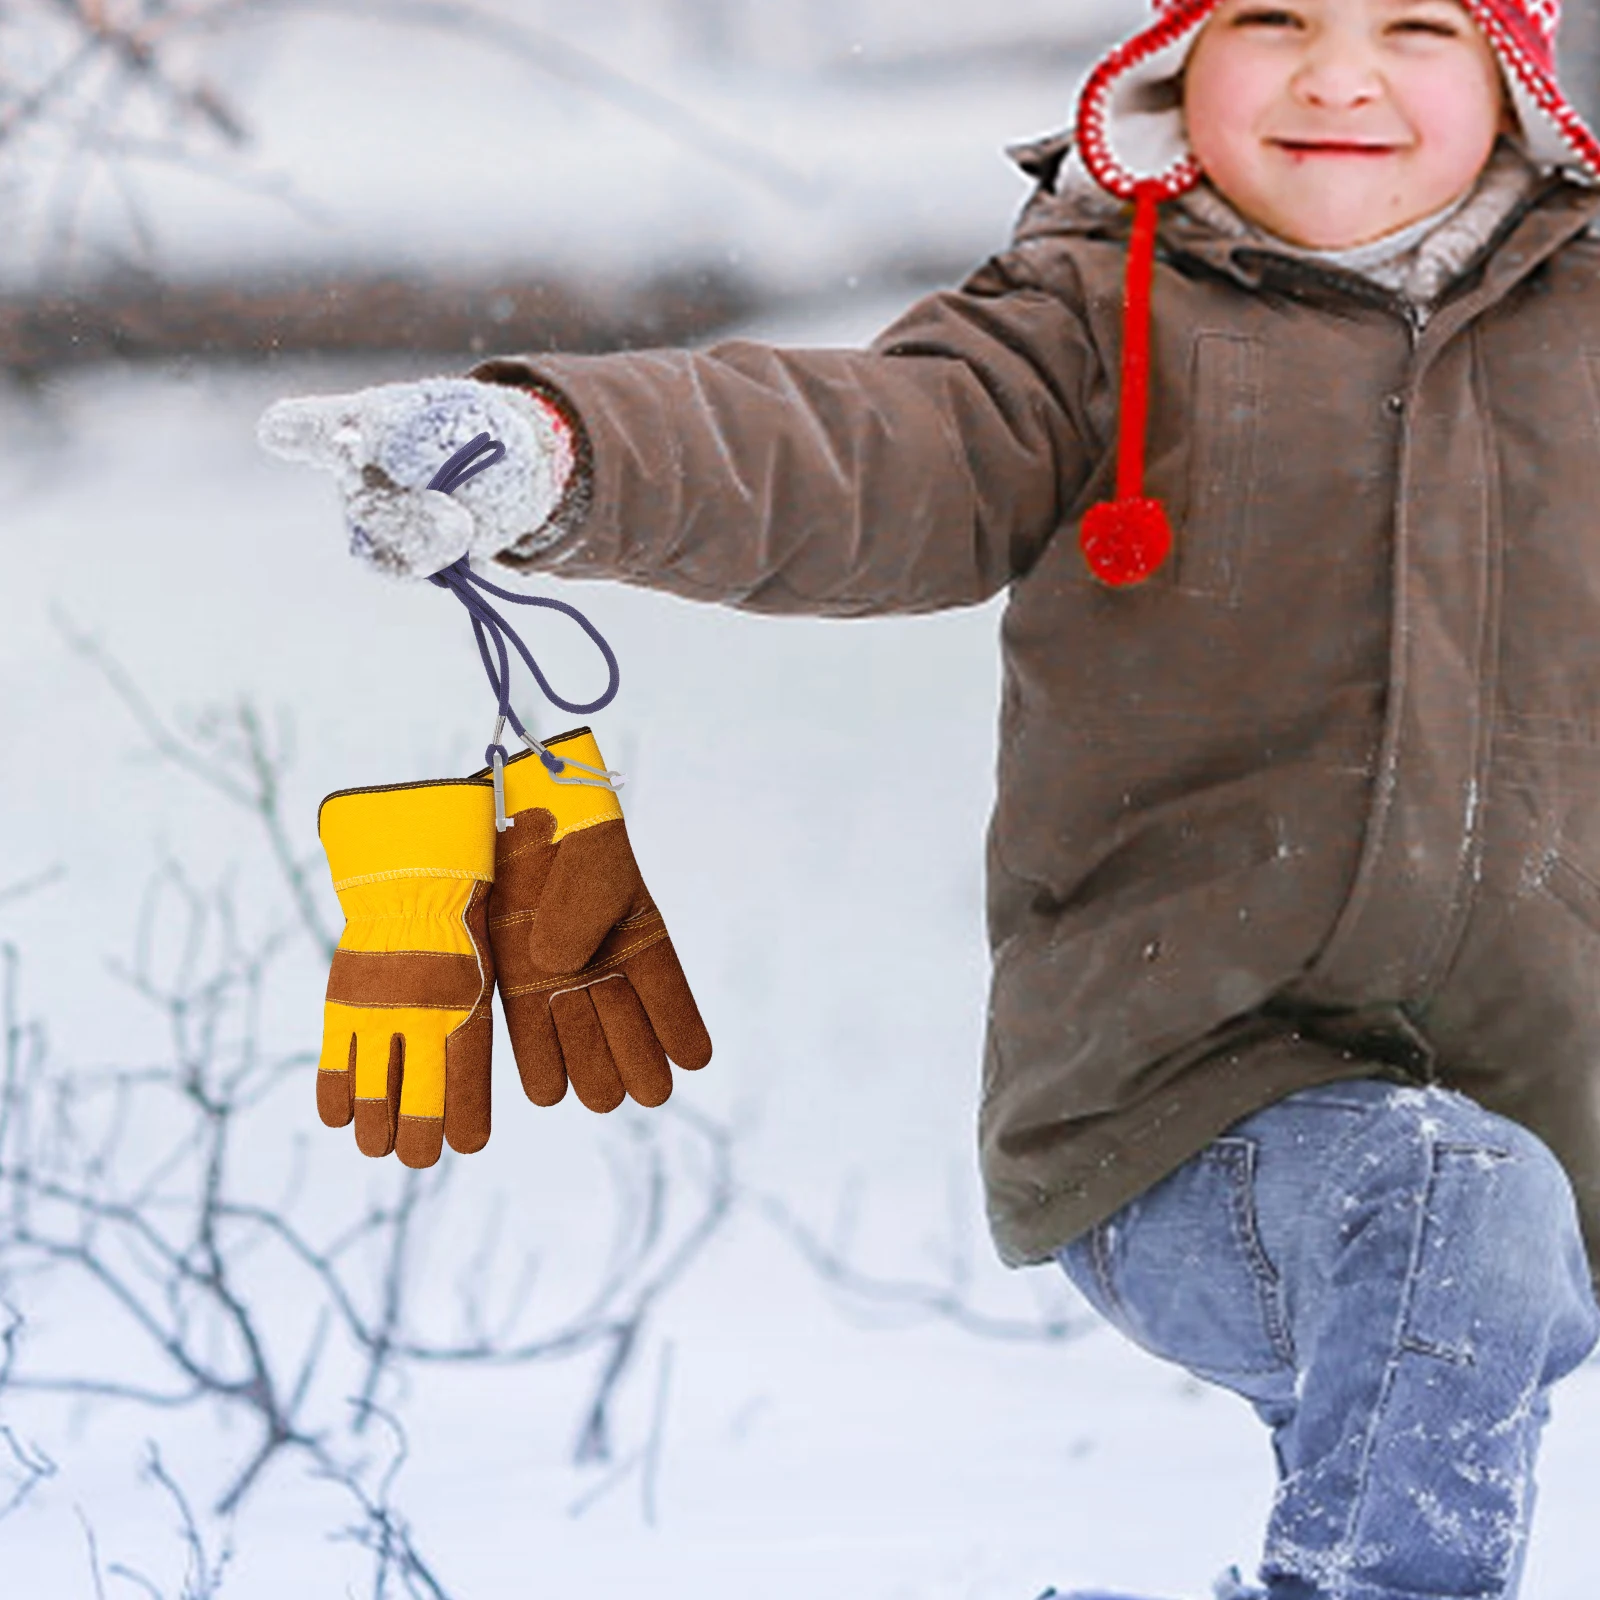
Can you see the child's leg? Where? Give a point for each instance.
(1394, 1278)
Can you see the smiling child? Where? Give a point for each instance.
(1279, 424)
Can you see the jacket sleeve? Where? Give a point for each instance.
(926, 471)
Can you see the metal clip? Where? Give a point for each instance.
(604, 778)
(555, 766)
(501, 820)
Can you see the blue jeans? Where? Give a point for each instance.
(1393, 1278)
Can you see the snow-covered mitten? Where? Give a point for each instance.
(589, 982)
(385, 444)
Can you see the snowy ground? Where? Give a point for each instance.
(809, 1445)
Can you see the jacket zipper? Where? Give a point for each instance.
(1352, 284)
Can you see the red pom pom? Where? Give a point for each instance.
(1124, 541)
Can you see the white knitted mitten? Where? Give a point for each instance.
(384, 445)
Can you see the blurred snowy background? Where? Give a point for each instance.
(754, 1345)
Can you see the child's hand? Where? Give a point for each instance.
(385, 444)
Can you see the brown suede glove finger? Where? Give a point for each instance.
(468, 1057)
(537, 1049)
(641, 1063)
(591, 884)
(587, 1053)
(336, 1092)
(419, 1141)
(658, 980)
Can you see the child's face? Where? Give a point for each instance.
(1334, 122)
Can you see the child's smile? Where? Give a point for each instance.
(1334, 147)
(1334, 122)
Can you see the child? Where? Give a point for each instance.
(1294, 1046)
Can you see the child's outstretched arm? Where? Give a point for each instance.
(926, 471)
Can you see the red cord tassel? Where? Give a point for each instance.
(1125, 540)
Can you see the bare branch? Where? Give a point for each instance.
(108, 86)
(203, 1572)
(553, 56)
(162, 738)
(117, 148)
(11, 893)
(94, 1554)
(646, 1461)
(651, 1466)
(382, 1529)
(28, 1466)
(203, 1577)
(945, 1302)
(30, 107)
(189, 1262)
(380, 1343)
(132, 1575)
(166, 1239)
(229, 751)
(98, 1389)
(24, 1464)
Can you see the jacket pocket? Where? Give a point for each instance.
(1225, 394)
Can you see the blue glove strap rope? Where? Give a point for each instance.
(489, 625)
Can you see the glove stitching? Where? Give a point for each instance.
(482, 950)
(512, 854)
(638, 919)
(464, 873)
(581, 827)
(403, 1005)
(379, 955)
(602, 970)
(579, 988)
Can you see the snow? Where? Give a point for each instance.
(807, 800)
(829, 141)
(833, 935)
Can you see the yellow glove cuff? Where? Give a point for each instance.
(419, 830)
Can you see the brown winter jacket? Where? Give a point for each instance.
(1320, 800)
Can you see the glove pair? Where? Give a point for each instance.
(439, 905)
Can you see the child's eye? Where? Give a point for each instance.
(1265, 17)
(1431, 26)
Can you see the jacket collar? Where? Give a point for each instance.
(1554, 211)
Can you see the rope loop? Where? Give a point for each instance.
(495, 636)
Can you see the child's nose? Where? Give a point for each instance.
(1339, 71)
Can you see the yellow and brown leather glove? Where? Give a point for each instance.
(407, 1030)
(589, 982)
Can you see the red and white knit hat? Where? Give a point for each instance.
(1130, 136)
(1130, 122)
